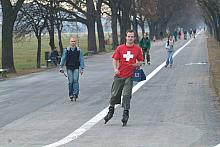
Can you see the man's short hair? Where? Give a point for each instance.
(73, 37)
(130, 31)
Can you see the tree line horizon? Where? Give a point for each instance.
(39, 16)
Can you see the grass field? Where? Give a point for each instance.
(25, 51)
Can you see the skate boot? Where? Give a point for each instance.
(75, 96)
(71, 98)
(109, 114)
(125, 117)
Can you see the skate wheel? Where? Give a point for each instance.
(124, 124)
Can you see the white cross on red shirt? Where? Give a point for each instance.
(128, 56)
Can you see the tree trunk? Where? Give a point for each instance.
(135, 28)
(91, 36)
(125, 19)
(90, 23)
(51, 24)
(114, 29)
(60, 41)
(210, 28)
(51, 33)
(7, 40)
(217, 28)
(152, 28)
(141, 23)
(9, 17)
(218, 34)
(158, 29)
(161, 27)
(101, 36)
(39, 50)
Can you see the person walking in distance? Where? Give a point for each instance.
(170, 50)
(126, 58)
(54, 56)
(175, 35)
(145, 45)
(194, 33)
(73, 59)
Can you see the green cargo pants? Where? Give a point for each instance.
(121, 86)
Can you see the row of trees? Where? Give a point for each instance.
(211, 13)
(48, 16)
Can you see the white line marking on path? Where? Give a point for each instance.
(85, 127)
(201, 63)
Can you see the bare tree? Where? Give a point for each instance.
(114, 6)
(59, 26)
(59, 16)
(211, 9)
(9, 11)
(82, 11)
(100, 30)
(189, 16)
(31, 19)
(124, 18)
(134, 18)
(49, 5)
(147, 11)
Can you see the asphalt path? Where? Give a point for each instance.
(175, 108)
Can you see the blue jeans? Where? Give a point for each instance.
(169, 58)
(73, 78)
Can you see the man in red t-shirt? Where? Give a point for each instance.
(126, 58)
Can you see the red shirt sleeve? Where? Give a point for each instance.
(116, 54)
(140, 55)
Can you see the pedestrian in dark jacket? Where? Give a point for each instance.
(54, 56)
(145, 44)
(73, 59)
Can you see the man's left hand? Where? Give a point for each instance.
(81, 71)
(137, 64)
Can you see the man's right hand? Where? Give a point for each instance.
(116, 71)
(61, 70)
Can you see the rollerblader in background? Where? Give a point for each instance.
(145, 45)
(170, 50)
(73, 59)
(185, 35)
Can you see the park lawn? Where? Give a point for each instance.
(25, 51)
